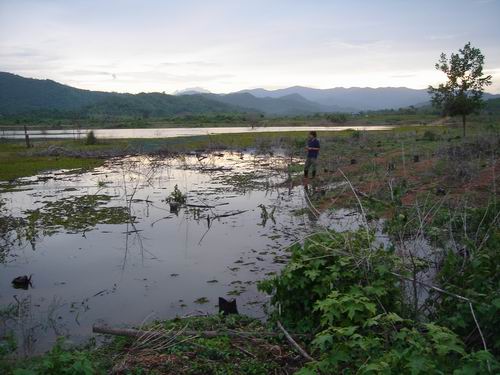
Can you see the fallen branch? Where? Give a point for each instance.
(294, 343)
(244, 351)
(130, 332)
(216, 169)
(199, 206)
(229, 214)
(366, 196)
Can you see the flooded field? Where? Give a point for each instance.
(105, 246)
(175, 132)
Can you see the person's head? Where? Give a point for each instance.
(312, 134)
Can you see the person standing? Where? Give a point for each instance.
(312, 154)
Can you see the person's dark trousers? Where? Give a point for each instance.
(310, 164)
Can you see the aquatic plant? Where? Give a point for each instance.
(76, 214)
(177, 196)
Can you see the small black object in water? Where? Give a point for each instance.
(227, 307)
(22, 282)
(440, 191)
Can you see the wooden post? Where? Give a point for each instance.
(27, 137)
(463, 124)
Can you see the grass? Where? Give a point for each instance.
(16, 161)
(186, 355)
(369, 118)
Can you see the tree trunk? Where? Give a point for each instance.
(463, 124)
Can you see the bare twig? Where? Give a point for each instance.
(129, 332)
(294, 343)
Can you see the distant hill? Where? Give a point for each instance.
(357, 98)
(46, 98)
(192, 91)
(19, 95)
(493, 105)
(288, 105)
(158, 105)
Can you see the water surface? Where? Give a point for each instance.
(165, 263)
(176, 132)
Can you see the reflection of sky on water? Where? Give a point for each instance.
(121, 274)
(156, 269)
(174, 132)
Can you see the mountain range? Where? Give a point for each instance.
(19, 95)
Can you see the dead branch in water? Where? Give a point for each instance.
(229, 214)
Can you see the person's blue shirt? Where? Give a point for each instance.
(314, 143)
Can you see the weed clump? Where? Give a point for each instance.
(429, 135)
(177, 196)
(90, 139)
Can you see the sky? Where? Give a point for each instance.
(225, 46)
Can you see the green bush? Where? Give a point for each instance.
(340, 288)
(91, 138)
(473, 272)
(318, 269)
(429, 135)
(58, 361)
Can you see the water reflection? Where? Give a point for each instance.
(158, 263)
(242, 212)
(175, 132)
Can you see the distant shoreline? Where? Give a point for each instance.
(148, 133)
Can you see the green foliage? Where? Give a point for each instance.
(473, 272)
(177, 196)
(462, 93)
(8, 346)
(90, 139)
(322, 267)
(340, 288)
(16, 162)
(429, 135)
(58, 361)
(337, 118)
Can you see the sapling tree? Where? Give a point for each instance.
(462, 93)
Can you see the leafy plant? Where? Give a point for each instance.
(90, 139)
(59, 361)
(177, 196)
(472, 272)
(343, 290)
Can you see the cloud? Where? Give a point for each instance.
(189, 63)
(409, 75)
(83, 73)
(169, 77)
(361, 43)
(23, 53)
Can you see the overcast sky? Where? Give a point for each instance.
(223, 46)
